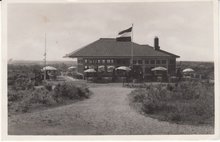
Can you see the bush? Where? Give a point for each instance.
(24, 100)
(71, 91)
(187, 102)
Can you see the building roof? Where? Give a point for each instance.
(109, 47)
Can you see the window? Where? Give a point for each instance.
(99, 61)
(80, 61)
(139, 61)
(112, 61)
(103, 61)
(85, 60)
(108, 61)
(90, 61)
(164, 61)
(146, 61)
(158, 62)
(86, 67)
(152, 61)
(134, 61)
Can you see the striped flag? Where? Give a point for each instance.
(124, 35)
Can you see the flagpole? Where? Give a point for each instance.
(45, 57)
(132, 48)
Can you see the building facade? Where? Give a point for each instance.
(109, 52)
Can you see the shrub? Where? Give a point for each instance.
(40, 96)
(187, 102)
(23, 100)
(138, 95)
(71, 91)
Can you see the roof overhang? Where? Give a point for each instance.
(121, 56)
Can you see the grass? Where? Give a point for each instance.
(185, 103)
(21, 101)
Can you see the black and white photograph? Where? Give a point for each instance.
(110, 68)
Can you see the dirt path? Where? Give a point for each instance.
(107, 112)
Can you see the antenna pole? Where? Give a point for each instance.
(132, 48)
(45, 57)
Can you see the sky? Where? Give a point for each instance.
(183, 28)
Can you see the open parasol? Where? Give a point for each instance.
(48, 68)
(188, 70)
(123, 68)
(90, 70)
(159, 69)
(72, 67)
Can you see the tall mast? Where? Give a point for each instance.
(45, 57)
(132, 48)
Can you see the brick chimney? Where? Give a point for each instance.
(156, 43)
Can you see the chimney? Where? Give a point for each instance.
(156, 43)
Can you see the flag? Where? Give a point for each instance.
(124, 35)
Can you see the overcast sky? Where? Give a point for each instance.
(184, 28)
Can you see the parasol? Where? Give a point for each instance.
(159, 69)
(48, 68)
(188, 70)
(90, 70)
(123, 68)
(72, 67)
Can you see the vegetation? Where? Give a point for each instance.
(26, 100)
(204, 68)
(186, 102)
(26, 91)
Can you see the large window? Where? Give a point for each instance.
(158, 62)
(152, 61)
(139, 61)
(112, 61)
(90, 61)
(146, 61)
(164, 61)
(108, 61)
(80, 61)
(134, 61)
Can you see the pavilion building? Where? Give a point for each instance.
(111, 52)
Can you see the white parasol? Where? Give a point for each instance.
(123, 68)
(159, 69)
(90, 70)
(72, 67)
(48, 68)
(188, 70)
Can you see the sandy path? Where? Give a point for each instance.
(106, 113)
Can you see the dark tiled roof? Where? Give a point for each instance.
(109, 47)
